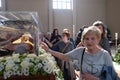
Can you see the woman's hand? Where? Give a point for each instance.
(86, 76)
(44, 46)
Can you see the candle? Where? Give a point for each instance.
(116, 35)
(73, 31)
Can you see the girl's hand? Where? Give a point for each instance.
(89, 77)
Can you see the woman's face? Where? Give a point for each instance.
(64, 37)
(100, 28)
(56, 32)
(91, 41)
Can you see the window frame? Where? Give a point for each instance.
(59, 4)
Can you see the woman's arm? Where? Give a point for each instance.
(80, 44)
(54, 53)
(89, 77)
(49, 43)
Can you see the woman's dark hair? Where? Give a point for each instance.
(54, 30)
(100, 23)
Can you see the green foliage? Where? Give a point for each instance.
(117, 56)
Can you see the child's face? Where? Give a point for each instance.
(91, 40)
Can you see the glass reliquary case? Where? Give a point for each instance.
(18, 32)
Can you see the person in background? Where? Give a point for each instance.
(48, 36)
(64, 46)
(104, 42)
(92, 57)
(55, 37)
(79, 34)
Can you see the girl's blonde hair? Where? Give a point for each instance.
(91, 30)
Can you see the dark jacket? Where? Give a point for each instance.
(108, 73)
(104, 43)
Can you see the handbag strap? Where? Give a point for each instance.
(82, 60)
(65, 47)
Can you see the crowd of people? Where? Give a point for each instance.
(83, 57)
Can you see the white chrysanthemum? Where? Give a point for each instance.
(47, 69)
(15, 68)
(42, 57)
(15, 56)
(24, 64)
(9, 66)
(51, 65)
(25, 71)
(31, 55)
(42, 50)
(5, 75)
(39, 65)
(44, 62)
(10, 73)
(27, 59)
(8, 58)
(36, 60)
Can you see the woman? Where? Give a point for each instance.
(104, 42)
(55, 37)
(94, 57)
(64, 46)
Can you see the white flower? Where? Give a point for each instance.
(39, 65)
(15, 68)
(31, 55)
(9, 66)
(44, 62)
(24, 64)
(25, 71)
(5, 75)
(15, 56)
(42, 57)
(27, 59)
(47, 69)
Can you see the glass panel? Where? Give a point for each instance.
(18, 32)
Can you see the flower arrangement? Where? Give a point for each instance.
(29, 64)
(117, 56)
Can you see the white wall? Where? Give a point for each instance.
(41, 6)
(113, 16)
(62, 19)
(88, 11)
